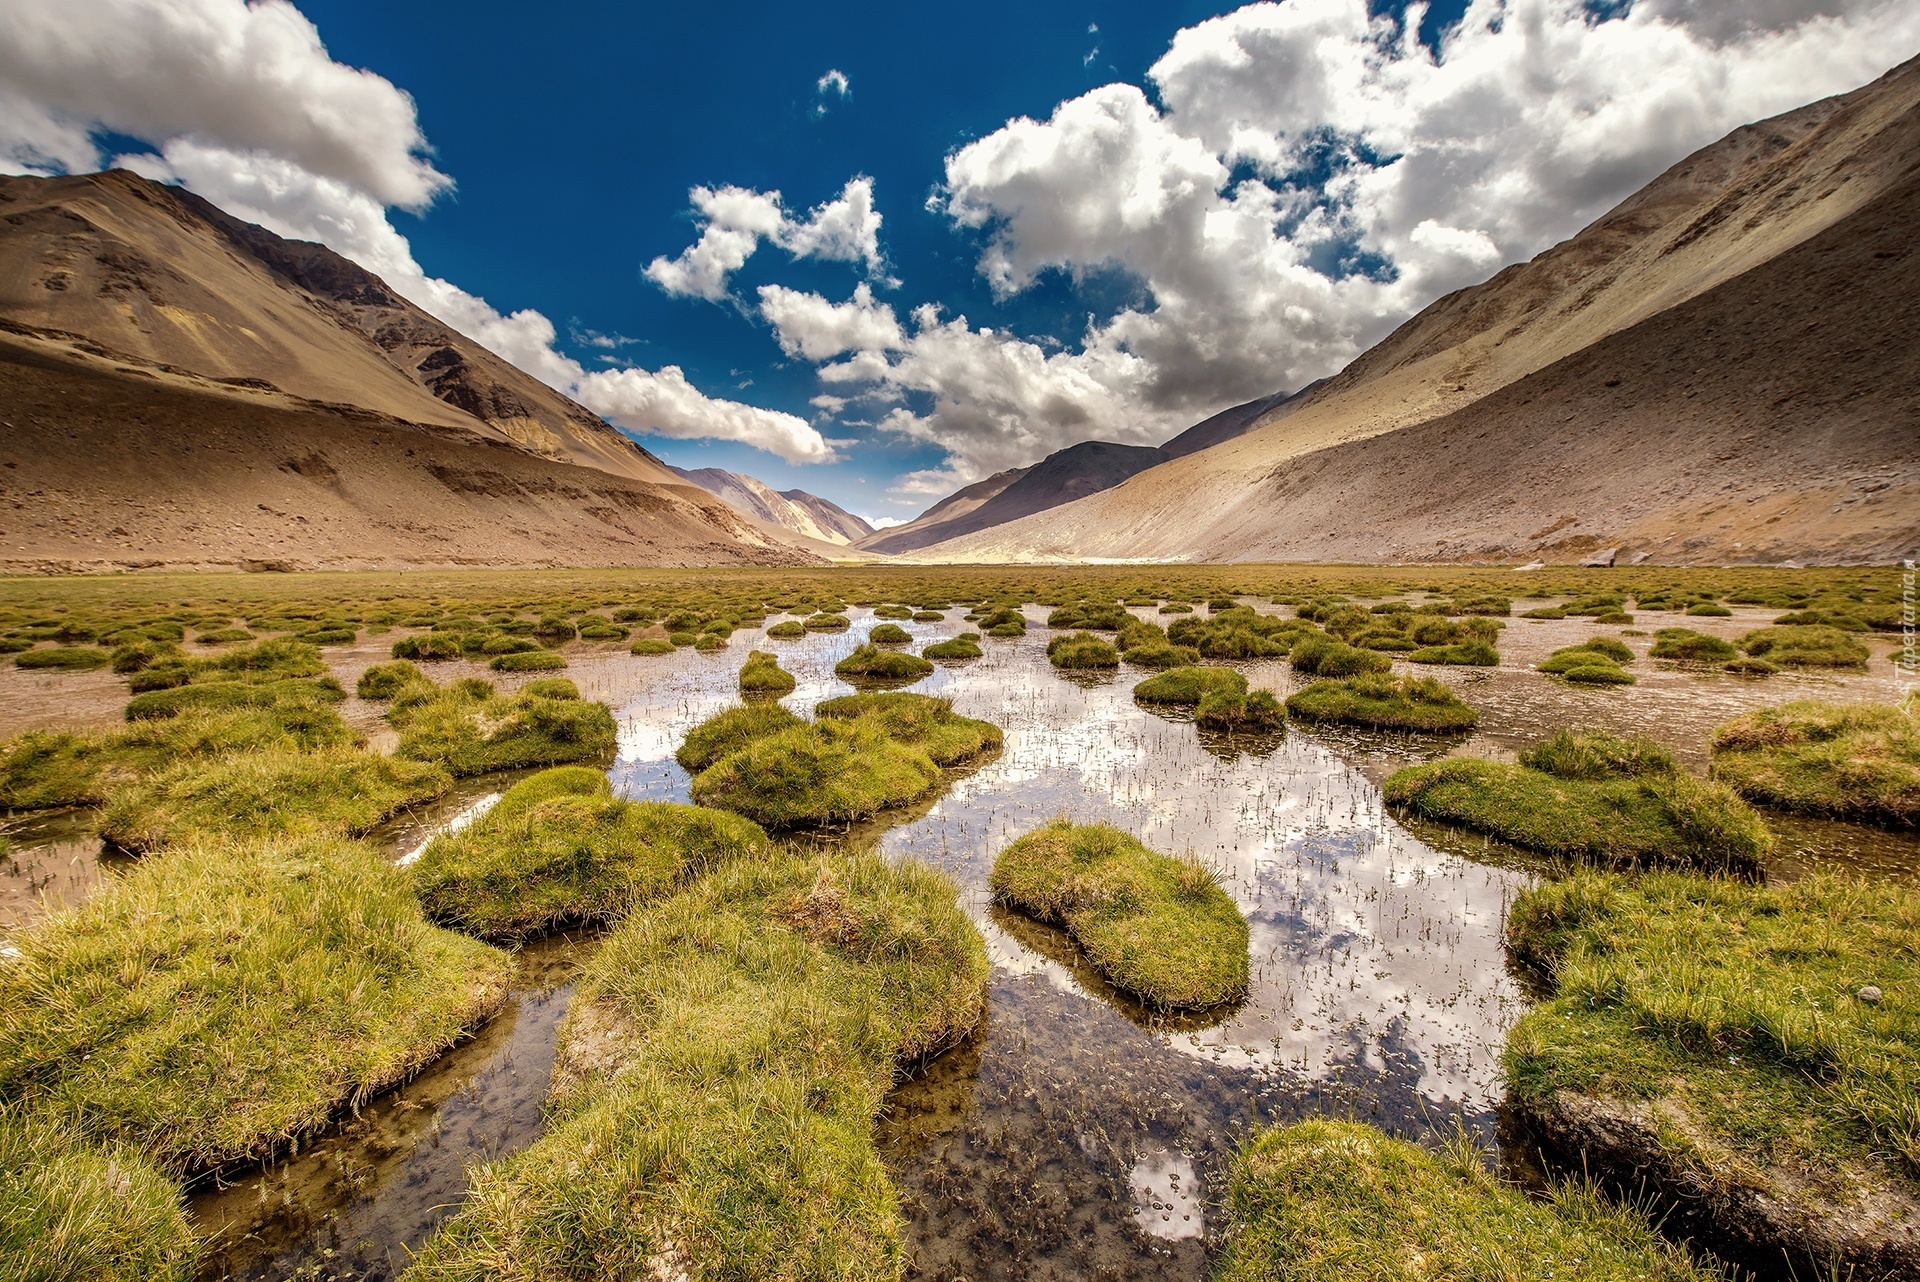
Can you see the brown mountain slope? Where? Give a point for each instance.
(110, 463)
(921, 530)
(1738, 211)
(796, 511)
(157, 273)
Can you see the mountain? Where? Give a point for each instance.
(1237, 421)
(1718, 369)
(904, 538)
(1060, 477)
(796, 510)
(292, 409)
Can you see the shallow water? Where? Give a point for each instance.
(1077, 1135)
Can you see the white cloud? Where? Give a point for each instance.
(885, 522)
(734, 220)
(1290, 138)
(245, 108)
(809, 326)
(833, 85)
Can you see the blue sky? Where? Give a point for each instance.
(1144, 213)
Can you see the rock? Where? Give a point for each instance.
(1638, 557)
(1870, 995)
(1603, 557)
(1531, 565)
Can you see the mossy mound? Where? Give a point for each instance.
(1595, 661)
(660, 645)
(558, 850)
(1251, 712)
(871, 663)
(1684, 645)
(470, 728)
(957, 648)
(1805, 647)
(1322, 656)
(63, 659)
(1333, 1201)
(827, 623)
(1477, 654)
(921, 720)
(727, 1053)
(268, 792)
(816, 773)
(383, 681)
(1089, 617)
(1162, 655)
(1749, 667)
(1858, 761)
(1158, 927)
(1617, 805)
(76, 1212)
(222, 696)
(762, 674)
(1711, 1035)
(1188, 686)
(207, 1007)
(890, 634)
(731, 730)
(1375, 702)
(1081, 652)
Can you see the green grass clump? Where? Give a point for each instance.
(1750, 667)
(893, 612)
(1188, 686)
(212, 696)
(1805, 647)
(74, 1212)
(268, 792)
(528, 661)
(1709, 610)
(429, 647)
(707, 642)
(922, 721)
(70, 658)
(1250, 712)
(762, 674)
(223, 636)
(652, 646)
(1595, 661)
(1081, 652)
(1858, 761)
(890, 634)
(1158, 927)
(1618, 804)
(1339, 1201)
(206, 1008)
(1162, 655)
(871, 663)
(1376, 702)
(470, 728)
(730, 731)
(1322, 656)
(560, 851)
(1684, 645)
(957, 648)
(826, 623)
(1477, 654)
(815, 773)
(1090, 617)
(1723, 1020)
(383, 681)
(726, 1055)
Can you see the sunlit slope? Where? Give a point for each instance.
(1521, 452)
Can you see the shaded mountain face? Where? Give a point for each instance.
(957, 504)
(157, 273)
(1061, 477)
(1691, 377)
(182, 388)
(796, 510)
(1237, 421)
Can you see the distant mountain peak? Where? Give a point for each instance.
(803, 513)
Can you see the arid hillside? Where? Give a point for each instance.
(1719, 369)
(183, 387)
(106, 463)
(797, 511)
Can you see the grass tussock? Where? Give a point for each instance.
(1189, 685)
(1684, 645)
(64, 658)
(924, 721)
(762, 674)
(339, 791)
(470, 728)
(654, 646)
(208, 1007)
(1158, 927)
(1423, 705)
(1595, 661)
(76, 1212)
(528, 661)
(1081, 652)
(1858, 761)
(1324, 656)
(890, 634)
(559, 850)
(871, 663)
(1247, 712)
(1809, 646)
(1337, 1201)
(956, 649)
(730, 731)
(1586, 795)
(727, 1054)
(1735, 1007)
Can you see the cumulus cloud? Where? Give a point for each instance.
(1308, 176)
(244, 106)
(734, 220)
(829, 89)
(810, 327)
